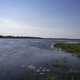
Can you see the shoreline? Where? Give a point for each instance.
(69, 47)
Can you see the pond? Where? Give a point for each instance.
(33, 58)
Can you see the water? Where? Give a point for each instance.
(21, 57)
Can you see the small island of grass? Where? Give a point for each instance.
(69, 47)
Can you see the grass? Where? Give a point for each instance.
(69, 47)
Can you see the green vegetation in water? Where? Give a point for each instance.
(69, 47)
(60, 64)
(52, 78)
(64, 77)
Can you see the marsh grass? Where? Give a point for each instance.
(69, 47)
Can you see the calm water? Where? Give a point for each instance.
(20, 57)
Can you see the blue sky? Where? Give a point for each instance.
(44, 18)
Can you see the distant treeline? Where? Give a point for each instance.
(29, 37)
(20, 37)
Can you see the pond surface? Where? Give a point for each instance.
(21, 57)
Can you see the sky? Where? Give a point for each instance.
(43, 18)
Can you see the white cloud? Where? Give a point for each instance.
(10, 27)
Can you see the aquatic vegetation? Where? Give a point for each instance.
(69, 76)
(59, 65)
(62, 64)
(69, 47)
(52, 78)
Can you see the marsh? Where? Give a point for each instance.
(22, 58)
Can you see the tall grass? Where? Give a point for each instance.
(69, 47)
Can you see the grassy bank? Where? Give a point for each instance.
(69, 47)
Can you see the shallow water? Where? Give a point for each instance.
(19, 56)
